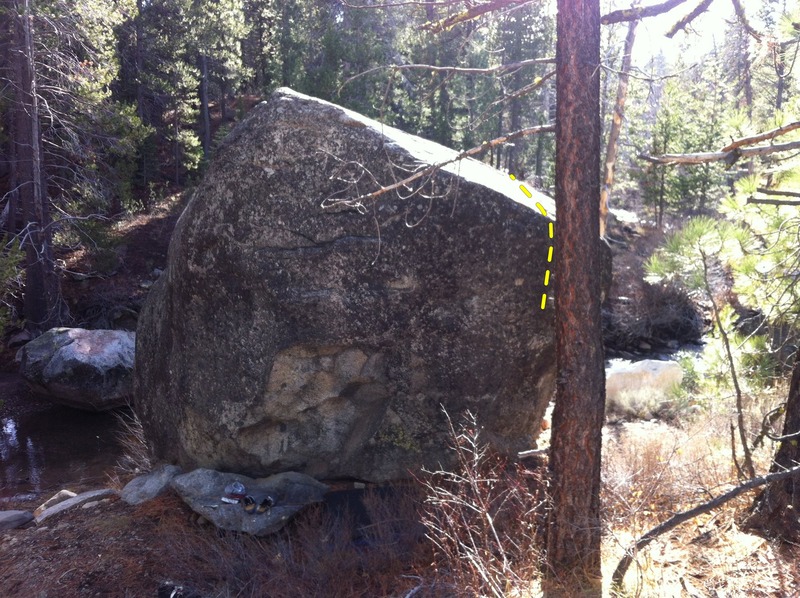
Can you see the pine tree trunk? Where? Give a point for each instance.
(204, 106)
(775, 510)
(573, 532)
(43, 305)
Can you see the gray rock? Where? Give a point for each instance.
(202, 490)
(148, 486)
(87, 369)
(58, 497)
(73, 502)
(14, 519)
(286, 334)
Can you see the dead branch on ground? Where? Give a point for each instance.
(679, 518)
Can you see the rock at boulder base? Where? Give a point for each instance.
(288, 493)
(87, 369)
(296, 330)
(150, 485)
(58, 497)
(14, 519)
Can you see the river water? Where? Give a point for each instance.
(46, 447)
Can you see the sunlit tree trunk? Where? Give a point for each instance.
(573, 532)
(616, 126)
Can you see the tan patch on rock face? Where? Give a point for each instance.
(303, 377)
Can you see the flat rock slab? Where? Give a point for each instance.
(150, 485)
(58, 497)
(202, 490)
(14, 519)
(73, 502)
(86, 369)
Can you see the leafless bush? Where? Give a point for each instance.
(482, 520)
(656, 312)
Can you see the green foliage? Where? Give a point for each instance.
(11, 263)
(89, 137)
(683, 114)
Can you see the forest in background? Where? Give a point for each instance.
(108, 103)
(124, 91)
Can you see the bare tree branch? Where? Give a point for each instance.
(489, 112)
(685, 21)
(430, 170)
(472, 12)
(775, 202)
(406, 3)
(500, 69)
(729, 157)
(737, 6)
(678, 518)
(639, 12)
(761, 136)
(776, 192)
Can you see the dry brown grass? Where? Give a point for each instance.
(652, 471)
(320, 554)
(136, 458)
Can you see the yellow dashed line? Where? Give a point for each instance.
(550, 231)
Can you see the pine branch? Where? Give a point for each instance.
(686, 21)
(639, 12)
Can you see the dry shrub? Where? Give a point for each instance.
(656, 312)
(651, 470)
(136, 458)
(482, 519)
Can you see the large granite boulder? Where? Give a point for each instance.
(296, 328)
(87, 369)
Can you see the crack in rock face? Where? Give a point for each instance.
(297, 328)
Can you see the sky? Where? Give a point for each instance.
(696, 40)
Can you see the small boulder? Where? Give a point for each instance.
(73, 502)
(86, 369)
(285, 494)
(58, 497)
(14, 519)
(148, 486)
